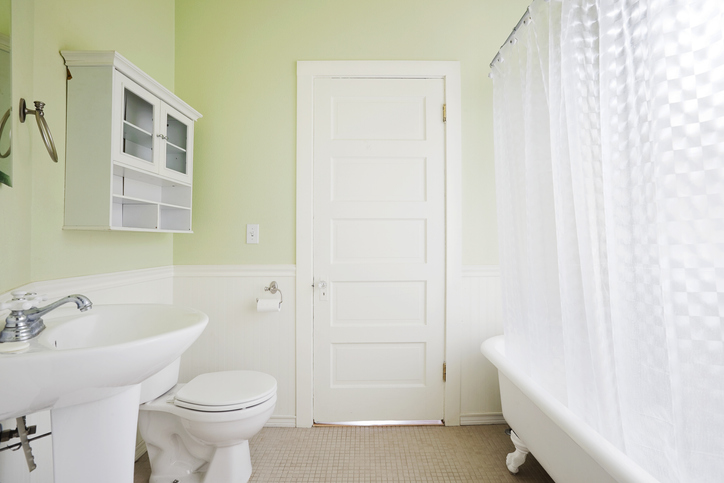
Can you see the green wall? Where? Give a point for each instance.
(15, 203)
(236, 63)
(5, 16)
(34, 245)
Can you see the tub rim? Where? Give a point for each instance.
(611, 459)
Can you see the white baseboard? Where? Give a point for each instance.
(140, 448)
(481, 418)
(281, 422)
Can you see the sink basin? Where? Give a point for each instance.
(88, 369)
(107, 325)
(93, 355)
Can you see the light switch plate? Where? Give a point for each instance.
(252, 233)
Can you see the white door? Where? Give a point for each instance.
(379, 249)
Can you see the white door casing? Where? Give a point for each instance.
(379, 249)
(307, 75)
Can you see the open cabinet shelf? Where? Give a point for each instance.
(142, 202)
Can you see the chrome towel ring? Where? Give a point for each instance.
(42, 126)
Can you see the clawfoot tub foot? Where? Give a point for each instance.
(514, 460)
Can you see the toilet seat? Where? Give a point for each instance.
(226, 391)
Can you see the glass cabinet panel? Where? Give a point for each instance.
(176, 135)
(139, 113)
(178, 145)
(137, 126)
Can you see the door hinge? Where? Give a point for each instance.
(444, 371)
(444, 113)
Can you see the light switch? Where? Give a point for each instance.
(252, 233)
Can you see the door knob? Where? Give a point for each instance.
(322, 285)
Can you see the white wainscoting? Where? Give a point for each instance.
(153, 285)
(239, 337)
(481, 313)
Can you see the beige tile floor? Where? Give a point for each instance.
(382, 454)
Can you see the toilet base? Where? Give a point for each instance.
(200, 447)
(230, 460)
(227, 460)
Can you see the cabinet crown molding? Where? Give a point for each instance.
(111, 58)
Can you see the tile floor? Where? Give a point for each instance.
(382, 454)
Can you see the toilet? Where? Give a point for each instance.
(199, 432)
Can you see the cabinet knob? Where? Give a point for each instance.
(162, 136)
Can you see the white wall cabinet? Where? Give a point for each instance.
(129, 150)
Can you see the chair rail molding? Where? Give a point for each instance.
(234, 270)
(99, 283)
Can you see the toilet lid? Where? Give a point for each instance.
(226, 391)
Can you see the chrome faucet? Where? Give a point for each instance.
(25, 319)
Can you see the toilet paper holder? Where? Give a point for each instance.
(273, 288)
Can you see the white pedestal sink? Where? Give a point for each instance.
(87, 368)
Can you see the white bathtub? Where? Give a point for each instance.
(564, 445)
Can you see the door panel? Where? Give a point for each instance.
(368, 364)
(379, 241)
(379, 179)
(389, 303)
(377, 118)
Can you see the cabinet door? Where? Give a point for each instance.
(177, 147)
(137, 139)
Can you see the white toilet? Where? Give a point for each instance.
(199, 432)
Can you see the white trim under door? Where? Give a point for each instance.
(307, 72)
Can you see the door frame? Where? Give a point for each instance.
(307, 72)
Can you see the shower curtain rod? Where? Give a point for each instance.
(526, 16)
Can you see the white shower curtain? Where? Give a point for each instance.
(609, 144)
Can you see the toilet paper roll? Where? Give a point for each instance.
(268, 305)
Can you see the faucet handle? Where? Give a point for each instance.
(17, 305)
(22, 300)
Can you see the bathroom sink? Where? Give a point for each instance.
(94, 355)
